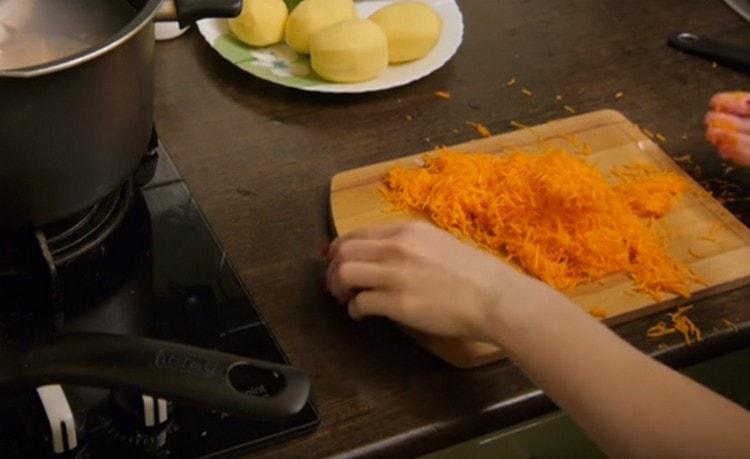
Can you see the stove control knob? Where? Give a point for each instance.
(59, 420)
(145, 411)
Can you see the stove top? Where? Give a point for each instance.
(145, 263)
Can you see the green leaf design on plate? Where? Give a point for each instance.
(276, 63)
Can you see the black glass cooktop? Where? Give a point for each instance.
(158, 273)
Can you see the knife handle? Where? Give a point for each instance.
(724, 53)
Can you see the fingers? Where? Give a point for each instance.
(732, 147)
(369, 303)
(729, 126)
(728, 122)
(368, 232)
(346, 279)
(736, 102)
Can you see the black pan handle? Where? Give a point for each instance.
(729, 55)
(201, 377)
(188, 11)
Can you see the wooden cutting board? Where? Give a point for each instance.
(704, 234)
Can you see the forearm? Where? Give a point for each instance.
(628, 403)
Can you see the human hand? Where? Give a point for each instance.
(425, 279)
(728, 126)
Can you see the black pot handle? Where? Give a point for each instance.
(188, 11)
(729, 55)
(201, 377)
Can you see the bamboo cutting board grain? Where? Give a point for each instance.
(704, 235)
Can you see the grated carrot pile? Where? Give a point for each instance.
(552, 213)
(647, 197)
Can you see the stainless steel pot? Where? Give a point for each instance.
(73, 127)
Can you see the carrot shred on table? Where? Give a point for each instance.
(598, 312)
(526, 92)
(559, 97)
(569, 109)
(511, 82)
(518, 125)
(684, 325)
(551, 212)
(731, 324)
(443, 95)
(660, 138)
(659, 330)
(648, 133)
(619, 95)
(680, 323)
(480, 128)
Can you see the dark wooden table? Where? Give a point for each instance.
(258, 159)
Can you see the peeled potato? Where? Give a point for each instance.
(412, 28)
(261, 22)
(350, 51)
(312, 16)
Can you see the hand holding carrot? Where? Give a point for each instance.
(728, 126)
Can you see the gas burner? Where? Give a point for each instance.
(62, 242)
(82, 233)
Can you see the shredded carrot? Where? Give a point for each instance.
(518, 125)
(551, 212)
(580, 147)
(731, 324)
(659, 330)
(711, 233)
(443, 95)
(480, 128)
(511, 82)
(569, 109)
(684, 325)
(619, 95)
(526, 92)
(598, 312)
(680, 323)
(409, 117)
(687, 159)
(660, 138)
(647, 194)
(559, 97)
(648, 133)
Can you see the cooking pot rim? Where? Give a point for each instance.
(125, 33)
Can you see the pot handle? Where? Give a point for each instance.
(188, 11)
(727, 54)
(201, 377)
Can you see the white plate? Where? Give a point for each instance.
(282, 65)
